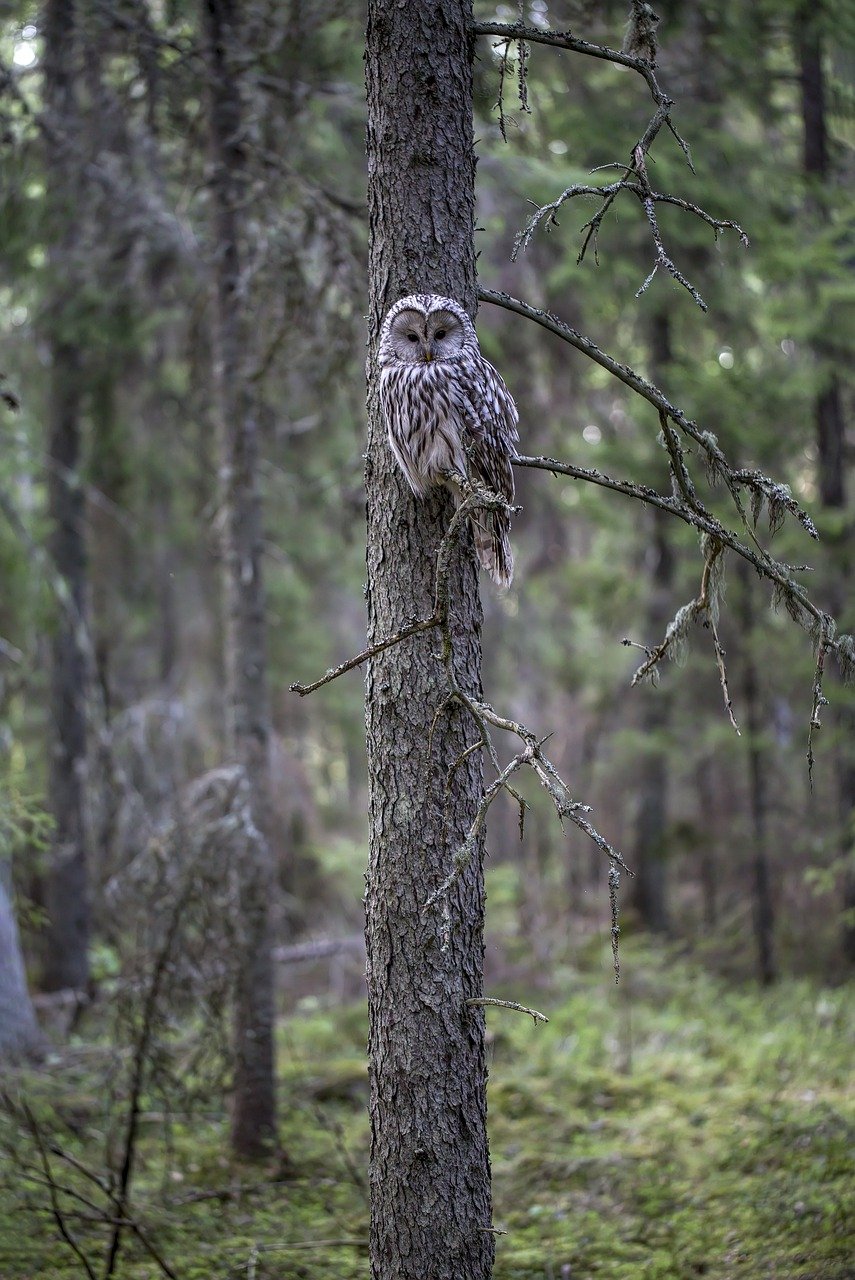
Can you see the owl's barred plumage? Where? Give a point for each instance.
(447, 409)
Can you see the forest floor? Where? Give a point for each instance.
(674, 1127)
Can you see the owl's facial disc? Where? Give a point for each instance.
(421, 339)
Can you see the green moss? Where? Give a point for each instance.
(674, 1128)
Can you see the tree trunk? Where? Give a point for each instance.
(650, 887)
(429, 1165)
(248, 715)
(67, 937)
(830, 438)
(19, 1032)
(707, 809)
(763, 911)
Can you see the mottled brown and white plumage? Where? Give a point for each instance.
(447, 409)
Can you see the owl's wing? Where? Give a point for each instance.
(490, 419)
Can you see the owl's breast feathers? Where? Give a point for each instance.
(423, 423)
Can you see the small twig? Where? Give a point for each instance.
(824, 643)
(404, 633)
(722, 675)
(614, 885)
(477, 1001)
(57, 1212)
(120, 1196)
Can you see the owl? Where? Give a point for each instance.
(447, 409)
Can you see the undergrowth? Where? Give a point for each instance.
(673, 1128)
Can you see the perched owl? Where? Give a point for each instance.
(446, 409)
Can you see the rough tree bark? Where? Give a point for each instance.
(67, 936)
(830, 423)
(649, 861)
(429, 1164)
(248, 715)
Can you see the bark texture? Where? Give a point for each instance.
(429, 1164)
(67, 937)
(830, 425)
(248, 715)
(20, 1036)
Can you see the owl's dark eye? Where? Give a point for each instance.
(440, 333)
(413, 337)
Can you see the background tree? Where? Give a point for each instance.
(67, 938)
(20, 1036)
(247, 707)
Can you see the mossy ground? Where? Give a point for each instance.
(673, 1128)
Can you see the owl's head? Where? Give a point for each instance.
(425, 328)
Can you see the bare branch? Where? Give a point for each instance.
(404, 633)
(760, 486)
(685, 505)
(515, 31)
(634, 177)
(476, 496)
(824, 643)
(57, 1212)
(614, 885)
(612, 189)
(478, 1001)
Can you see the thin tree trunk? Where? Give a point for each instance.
(649, 861)
(20, 1036)
(248, 715)
(763, 911)
(707, 809)
(429, 1165)
(67, 938)
(830, 437)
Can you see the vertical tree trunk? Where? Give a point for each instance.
(429, 1164)
(650, 887)
(763, 911)
(67, 939)
(254, 1118)
(19, 1032)
(707, 807)
(830, 437)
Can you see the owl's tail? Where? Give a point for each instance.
(491, 531)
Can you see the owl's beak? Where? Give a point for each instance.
(428, 354)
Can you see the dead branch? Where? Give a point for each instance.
(763, 491)
(634, 178)
(322, 949)
(409, 629)
(478, 497)
(56, 1210)
(478, 1001)
(766, 491)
